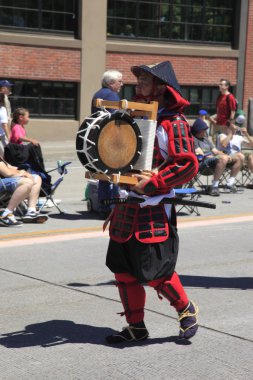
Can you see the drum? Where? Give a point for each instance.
(109, 143)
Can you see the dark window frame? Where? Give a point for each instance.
(185, 24)
(201, 101)
(42, 16)
(38, 102)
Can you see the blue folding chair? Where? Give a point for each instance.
(49, 192)
(193, 195)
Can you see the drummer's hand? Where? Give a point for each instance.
(142, 180)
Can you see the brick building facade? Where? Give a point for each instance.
(190, 70)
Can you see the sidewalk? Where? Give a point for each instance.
(62, 150)
(71, 193)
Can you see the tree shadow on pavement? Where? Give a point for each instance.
(57, 332)
(218, 282)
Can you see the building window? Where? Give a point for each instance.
(51, 16)
(208, 21)
(127, 91)
(200, 97)
(45, 99)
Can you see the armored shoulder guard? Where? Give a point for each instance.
(181, 165)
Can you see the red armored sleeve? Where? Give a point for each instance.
(181, 165)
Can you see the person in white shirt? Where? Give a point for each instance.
(5, 88)
(231, 143)
(4, 128)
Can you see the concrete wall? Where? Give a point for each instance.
(94, 15)
(52, 130)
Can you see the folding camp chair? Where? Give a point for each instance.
(48, 192)
(4, 198)
(245, 176)
(29, 157)
(241, 180)
(201, 179)
(193, 195)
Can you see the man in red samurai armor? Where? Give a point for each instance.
(143, 245)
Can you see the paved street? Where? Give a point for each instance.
(58, 300)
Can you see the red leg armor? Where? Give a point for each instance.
(133, 297)
(172, 289)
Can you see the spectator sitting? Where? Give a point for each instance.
(212, 157)
(246, 143)
(231, 142)
(18, 132)
(23, 186)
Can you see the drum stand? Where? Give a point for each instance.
(148, 111)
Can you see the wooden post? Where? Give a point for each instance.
(136, 109)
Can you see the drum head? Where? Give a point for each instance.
(116, 144)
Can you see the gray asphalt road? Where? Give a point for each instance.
(58, 303)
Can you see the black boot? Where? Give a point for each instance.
(131, 333)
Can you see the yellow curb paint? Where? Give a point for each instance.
(49, 232)
(51, 236)
(52, 239)
(181, 222)
(204, 223)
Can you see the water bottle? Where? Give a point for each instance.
(59, 164)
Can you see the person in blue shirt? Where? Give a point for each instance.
(111, 86)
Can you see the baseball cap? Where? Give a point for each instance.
(202, 112)
(5, 83)
(240, 119)
(198, 126)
